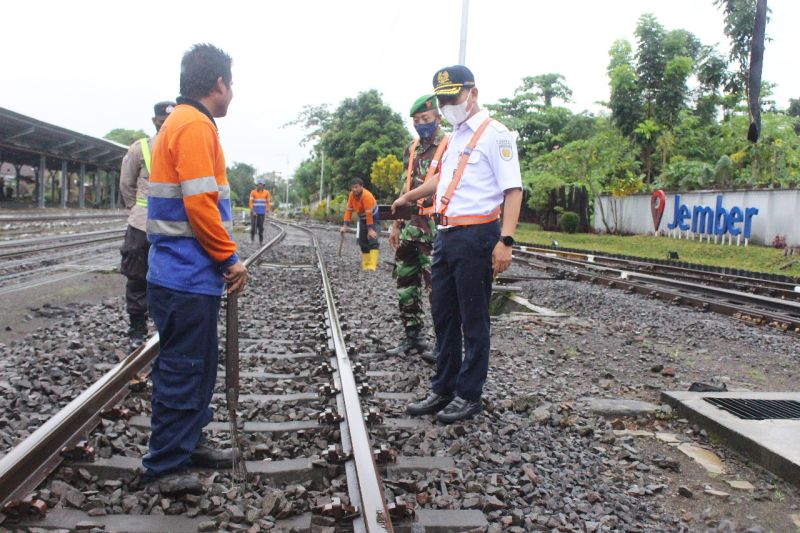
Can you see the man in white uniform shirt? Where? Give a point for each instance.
(479, 178)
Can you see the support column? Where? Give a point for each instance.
(82, 187)
(41, 183)
(64, 185)
(112, 187)
(97, 188)
(18, 169)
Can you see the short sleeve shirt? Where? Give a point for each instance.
(493, 168)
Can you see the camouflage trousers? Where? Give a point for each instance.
(412, 271)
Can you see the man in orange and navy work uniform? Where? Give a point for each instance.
(192, 258)
(363, 203)
(260, 206)
(479, 177)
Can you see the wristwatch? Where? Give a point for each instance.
(508, 240)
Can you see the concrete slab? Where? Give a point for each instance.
(70, 518)
(619, 407)
(774, 444)
(289, 427)
(444, 521)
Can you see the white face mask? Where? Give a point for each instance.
(456, 114)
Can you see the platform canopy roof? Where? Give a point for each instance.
(23, 140)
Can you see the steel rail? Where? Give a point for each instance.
(16, 243)
(719, 305)
(361, 469)
(59, 218)
(755, 285)
(61, 246)
(791, 307)
(30, 462)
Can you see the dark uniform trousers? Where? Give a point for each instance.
(461, 278)
(364, 242)
(257, 223)
(134, 267)
(183, 375)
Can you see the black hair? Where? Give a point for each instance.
(356, 181)
(201, 66)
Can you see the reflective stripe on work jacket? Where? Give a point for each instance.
(145, 144)
(168, 217)
(464, 220)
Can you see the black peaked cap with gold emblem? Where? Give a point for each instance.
(450, 80)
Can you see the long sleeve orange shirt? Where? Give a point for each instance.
(362, 205)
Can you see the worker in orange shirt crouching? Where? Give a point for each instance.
(363, 203)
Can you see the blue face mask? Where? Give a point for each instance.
(426, 131)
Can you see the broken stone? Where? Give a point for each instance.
(740, 484)
(718, 493)
(685, 491)
(669, 438)
(633, 433)
(705, 458)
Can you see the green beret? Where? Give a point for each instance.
(423, 103)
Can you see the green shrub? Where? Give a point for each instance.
(569, 222)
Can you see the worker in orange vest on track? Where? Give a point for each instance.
(363, 203)
(260, 206)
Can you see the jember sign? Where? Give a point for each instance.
(703, 219)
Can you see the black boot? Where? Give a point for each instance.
(417, 345)
(137, 331)
(412, 344)
(400, 349)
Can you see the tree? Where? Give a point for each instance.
(241, 178)
(126, 137)
(740, 17)
(386, 176)
(361, 130)
(541, 125)
(547, 87)
(313, 119)
(626, 98)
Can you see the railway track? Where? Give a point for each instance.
(308, 416)
(24, 219)
(748, 306)
(780, 287)
(24, 247)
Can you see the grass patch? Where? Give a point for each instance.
(755, 258)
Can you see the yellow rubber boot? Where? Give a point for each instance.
(365, 261)
(373, 259)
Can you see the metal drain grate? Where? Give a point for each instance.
(758, 409)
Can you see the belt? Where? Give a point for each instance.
(451, 229)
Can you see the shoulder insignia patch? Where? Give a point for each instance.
(506, 151)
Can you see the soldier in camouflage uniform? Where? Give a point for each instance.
(413, 239)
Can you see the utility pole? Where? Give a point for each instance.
(462, 50)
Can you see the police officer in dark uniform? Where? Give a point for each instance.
(479, 179)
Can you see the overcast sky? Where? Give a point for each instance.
(97, 65)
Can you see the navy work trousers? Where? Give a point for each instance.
(183, 375)
(461, 282)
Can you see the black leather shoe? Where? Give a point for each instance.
(208, 457)
(178, 483)
(430, 405)
(459, 409)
